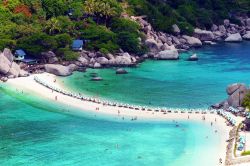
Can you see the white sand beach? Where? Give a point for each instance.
(28, 84)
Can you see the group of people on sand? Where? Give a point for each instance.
(120, 105)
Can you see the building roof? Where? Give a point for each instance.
(77, 43)
(20, 52)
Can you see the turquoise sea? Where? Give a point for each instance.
(37, 132)
(179, 84)
(34, 131)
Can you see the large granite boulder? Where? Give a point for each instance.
(5, 64)
(14, 70)
(176, 29)
(50, 56)
(59, 70)
(110, 56)
(195, 42)
(176, 40)
(247, 36)
(124, 59)
(236, 93)
(248, 22)
(97, 65)
(7, 53)
(168, 55)
(23, 73)
(84, 61)
(222, 29)
(234, 38)
(203, 35)
(152, 45)
(226, 22)
(214, 27)
(102, 60)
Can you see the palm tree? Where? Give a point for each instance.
(90, 7)
(106, 11)
(53, 26)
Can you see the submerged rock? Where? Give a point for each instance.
(96, 79)
(121, 71)
(193, 57)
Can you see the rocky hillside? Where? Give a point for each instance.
(113, 33)
(9, 68)
(39, 26)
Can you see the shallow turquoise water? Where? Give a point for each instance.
(38, 132)
(172, 83)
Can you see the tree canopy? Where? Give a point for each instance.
(43, 25)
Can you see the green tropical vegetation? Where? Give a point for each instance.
(246, 101)
(245, 153)
(42, 25)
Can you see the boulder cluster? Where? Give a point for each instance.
(159, 41)
(236, 93)
(98, 60)
(9, 68)
(60, 70)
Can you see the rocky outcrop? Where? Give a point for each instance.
(152, 45)
(50, 57)
(7, 53)
(204, 35)
(168, 55)
(84, 61)
(97, 65)
(60, 70)
(247, 36)
(14, 70)
(9, 68)
(236, 93)
(124, 59)
(5, 64)
(176, 29)
(234, 38)
(195, 42)
(102, 60)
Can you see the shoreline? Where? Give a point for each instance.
(120, 114)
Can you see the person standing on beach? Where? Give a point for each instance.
(220, 160)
